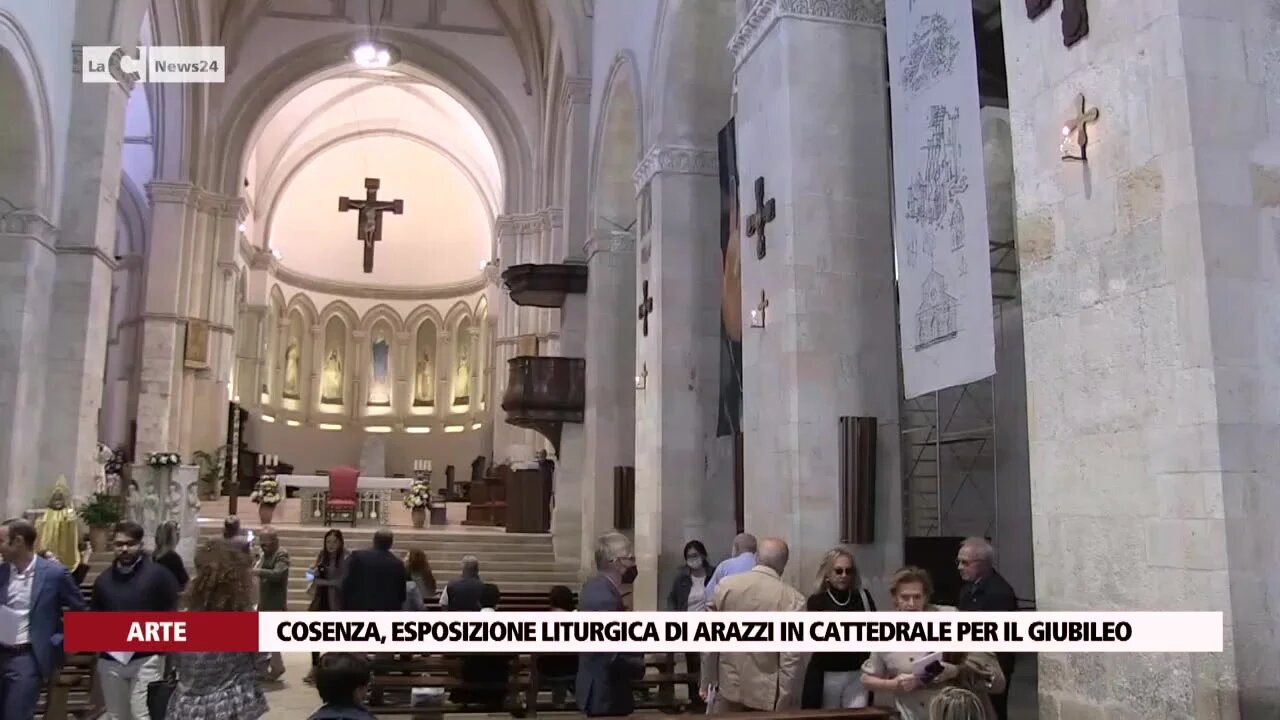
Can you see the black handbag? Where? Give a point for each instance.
(159, 692)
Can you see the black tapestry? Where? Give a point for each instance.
(730, 416)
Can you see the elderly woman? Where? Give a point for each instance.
(955, 703)
(912, 688)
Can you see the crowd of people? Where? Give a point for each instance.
(959, 686)
(241, 573)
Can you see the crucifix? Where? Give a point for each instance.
(1075, 133)
(645, 309)
(369, 222)
(764, 214)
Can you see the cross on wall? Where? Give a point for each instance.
(645, 309)
(766, 212)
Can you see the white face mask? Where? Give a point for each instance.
(694, 564)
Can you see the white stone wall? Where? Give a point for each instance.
(1148, 279)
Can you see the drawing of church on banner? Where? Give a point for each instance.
(936, 318)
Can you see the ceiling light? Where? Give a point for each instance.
(454, 428)
(329, 426)
(275, 253)
(374, 55)
(417, 430)
(268, 418)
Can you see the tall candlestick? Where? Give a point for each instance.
(428, 466)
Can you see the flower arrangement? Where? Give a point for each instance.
(419, 495)
(266, 492)
(164, 459)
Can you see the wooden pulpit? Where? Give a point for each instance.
(528, 509)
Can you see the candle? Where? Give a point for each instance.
(428, 466)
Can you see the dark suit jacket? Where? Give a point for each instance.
(990, 594)
(375, 581)
(52, 589)
(463, 594)
(604, 680)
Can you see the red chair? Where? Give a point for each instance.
(343, 499)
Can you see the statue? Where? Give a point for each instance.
(424, 386)
(462, 375)
(102, 458)
(291, 362)
(58, 529)
(331, 388)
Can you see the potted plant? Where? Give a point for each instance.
(211, 465)
(418, 499)
(267, 495)
(101, 513)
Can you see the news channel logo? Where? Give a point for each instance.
(156, 64)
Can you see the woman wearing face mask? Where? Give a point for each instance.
(834, 680)
(689, 593)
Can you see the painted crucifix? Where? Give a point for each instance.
(369, 222)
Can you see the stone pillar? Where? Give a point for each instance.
(1150, 283)
(75, 354)
(611, 393)
(577, 114)
(566, 515)
(27, 266)
(684, 489)
(250, 343)
(813, 122)
(160, 367)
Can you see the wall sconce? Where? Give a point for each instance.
(757, 315)
(454, 428)
(642, 380)
(292, 423)
(1075, 133)
(268, 418)
(418, 430)
(329, 426)
(476, 426)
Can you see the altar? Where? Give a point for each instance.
(378, 499)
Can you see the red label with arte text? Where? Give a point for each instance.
(100, 631)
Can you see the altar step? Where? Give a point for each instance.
(513, 562)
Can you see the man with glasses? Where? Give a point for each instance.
(133, 583)
(604, 680)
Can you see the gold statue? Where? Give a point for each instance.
(58, 529)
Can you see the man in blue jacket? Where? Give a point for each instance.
(604, 682)
(34, 590)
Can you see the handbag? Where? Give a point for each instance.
(159, 692)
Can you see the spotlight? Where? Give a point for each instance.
(374, 55)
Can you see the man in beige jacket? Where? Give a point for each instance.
(734, 682)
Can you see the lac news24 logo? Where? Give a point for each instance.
(156, 64)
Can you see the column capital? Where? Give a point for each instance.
(577, 91)
(609, 241)
(676, 160)
(765, 13)
(180, 193)
(528, 223)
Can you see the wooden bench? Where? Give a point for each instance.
(516, 601)
(524, 693)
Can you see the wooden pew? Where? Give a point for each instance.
(70, 693)
(832, 714)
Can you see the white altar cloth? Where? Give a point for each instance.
(321, 482)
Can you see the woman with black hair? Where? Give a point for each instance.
(326, 582)
(689, 594)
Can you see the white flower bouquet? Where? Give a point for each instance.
(267, 492)
(164, 459)
(419, 495)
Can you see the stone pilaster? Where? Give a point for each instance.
(163, 321)
(1150, 279)
(611, 393)
(250, 358)
(812, 121)
(27, 266)
(75, 354)
(684, 474)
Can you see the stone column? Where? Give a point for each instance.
(813, 122)
(684, 487)
(160, 367)
(611, 393)
(250, 358)
(27, 266)
(75, 356)
(1150, 283)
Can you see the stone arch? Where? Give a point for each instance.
(320, 59)
(684, 108)
(26, 138)
(617, 146)
(456, 314)
(344, 311)
(303, 304)
(421, 314)
(382, 312)
(275, 300)
(134, 214)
